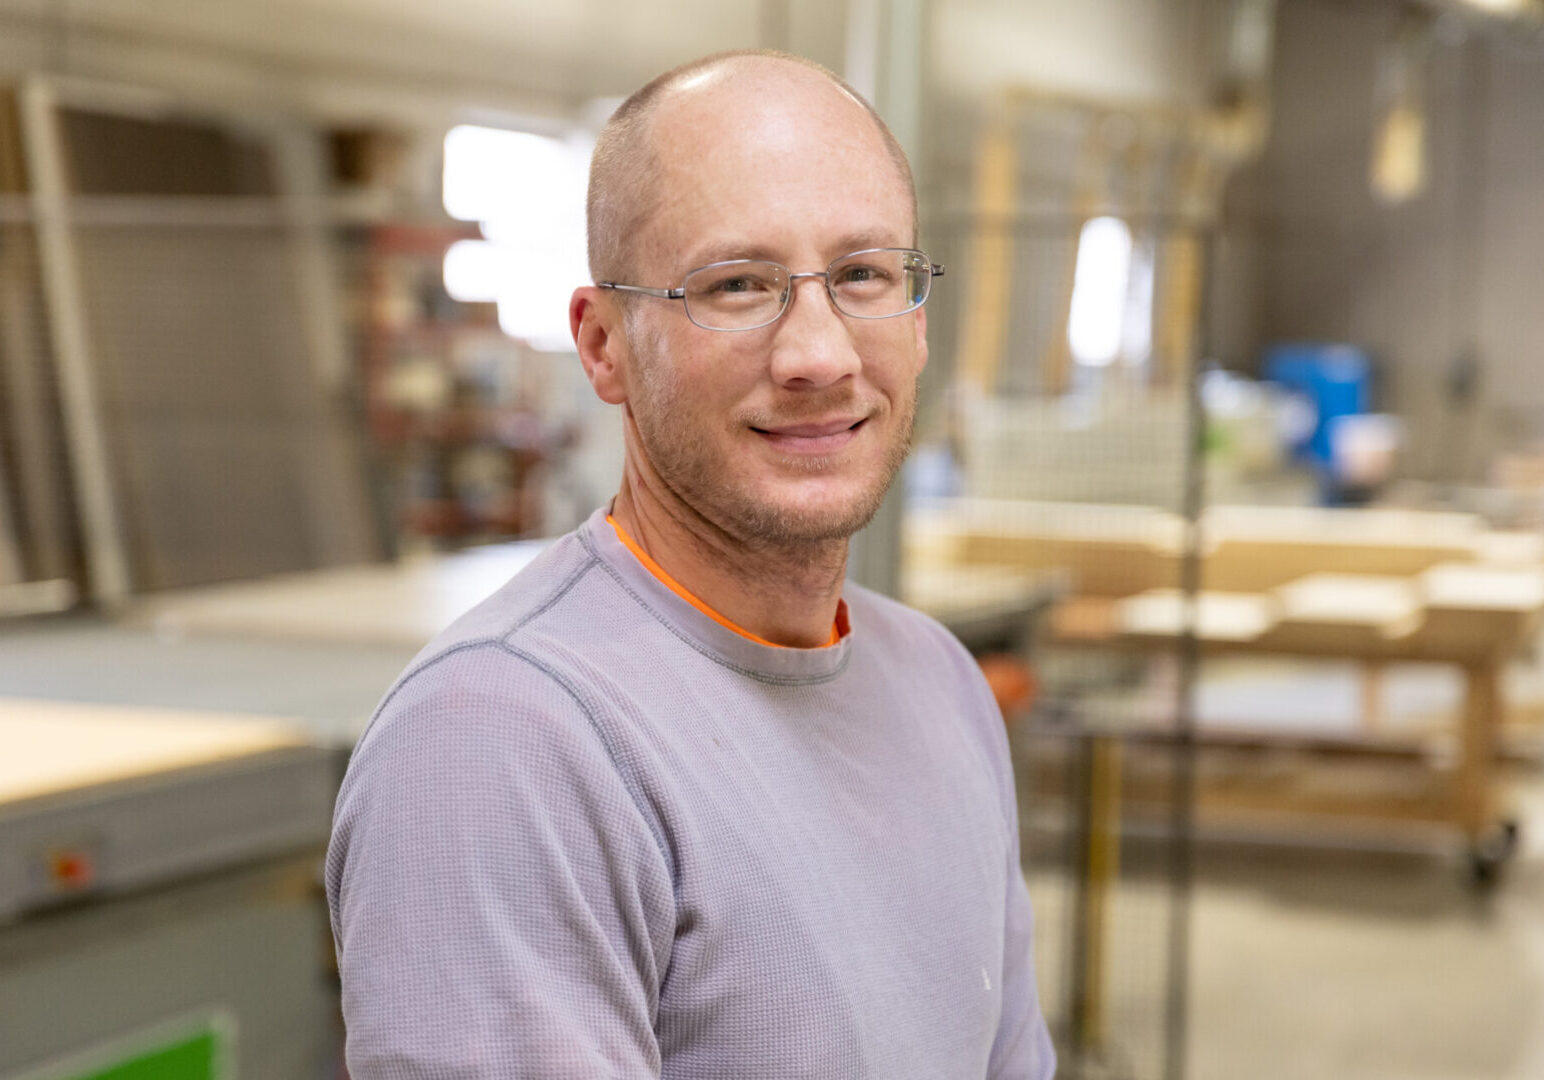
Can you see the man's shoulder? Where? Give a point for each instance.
(894, 626)
(538, 587)
(900, 639)
(495, 654)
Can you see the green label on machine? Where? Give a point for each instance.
(192, 1059)
(188, 1049)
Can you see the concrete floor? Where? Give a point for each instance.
(1308, 960)
(1371, 967)
(1308, 963)
(1367, 968)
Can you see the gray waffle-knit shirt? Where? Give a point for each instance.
(591, 833)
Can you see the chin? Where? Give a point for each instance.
(789, 519)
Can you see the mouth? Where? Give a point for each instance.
(816, 437)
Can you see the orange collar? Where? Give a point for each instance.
(680, 590)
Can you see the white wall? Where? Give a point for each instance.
(1453, 274)
(373, 58)
(355, 56)
(1132, 50)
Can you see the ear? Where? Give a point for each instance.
(596, 323)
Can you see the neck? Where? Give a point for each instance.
(787, 594)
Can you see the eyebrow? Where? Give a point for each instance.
(724, 251)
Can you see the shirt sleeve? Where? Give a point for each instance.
(1022, 1049)
(501, 905)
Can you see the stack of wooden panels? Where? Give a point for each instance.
(1453, 612)
(1120, 551)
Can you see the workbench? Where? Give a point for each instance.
(1472, 617)
(1374, 586)
(159, 906)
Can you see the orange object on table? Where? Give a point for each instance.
(1012, 681)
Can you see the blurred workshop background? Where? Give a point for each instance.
(1230, 467)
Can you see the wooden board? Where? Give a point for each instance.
(1095, 568)
(1119, 551)
(1389, 603)
(53, 747)
(403, 603)
(1474, 587)
(951, 592)
(1218, 616)
(1322, 626)
(1518, 549)
(1254, 548)
(1481, 608)
(1320, 524)
(1105, 550)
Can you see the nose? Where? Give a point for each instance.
(813, 346)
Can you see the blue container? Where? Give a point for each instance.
(1337, 379)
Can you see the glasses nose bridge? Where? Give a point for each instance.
(793, 281)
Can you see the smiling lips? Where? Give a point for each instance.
(822, 437)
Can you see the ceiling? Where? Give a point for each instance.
(557, 52)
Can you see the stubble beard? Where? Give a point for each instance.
(685, 463)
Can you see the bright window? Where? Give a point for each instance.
(527, 193)
(1096, 324)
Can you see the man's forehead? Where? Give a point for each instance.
(751, 245)
(767, 158)
(759, 99)
(790, 217)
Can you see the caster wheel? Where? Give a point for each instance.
(1487, 856)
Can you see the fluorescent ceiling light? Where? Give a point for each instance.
(1501, 7)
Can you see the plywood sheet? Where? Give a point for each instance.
(1218, 616)
(53, 747)
(1253, 548)
(1468, 586)
(1355, 599)
(947, 592)
(1318, 524)
(1357, 614)
(1517, 549)
(403, 603)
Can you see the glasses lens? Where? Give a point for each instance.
(736, 295)
(878, 284)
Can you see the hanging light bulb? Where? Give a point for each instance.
(1398, 165)
(1399, 154)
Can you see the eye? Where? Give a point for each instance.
(861, 275)
(741, 284)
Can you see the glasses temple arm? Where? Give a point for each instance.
(663, 294)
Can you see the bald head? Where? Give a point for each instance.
(626, 170)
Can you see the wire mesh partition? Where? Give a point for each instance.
(37, 539)
(39, 546)
(165, 389)
(1061, 459)
(1101, 480)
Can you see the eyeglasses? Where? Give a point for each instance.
(746, 294)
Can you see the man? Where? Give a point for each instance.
(677, 802)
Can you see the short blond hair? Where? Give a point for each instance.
(624, 169)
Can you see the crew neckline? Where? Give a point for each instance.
(702, 605)
(730, 644)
